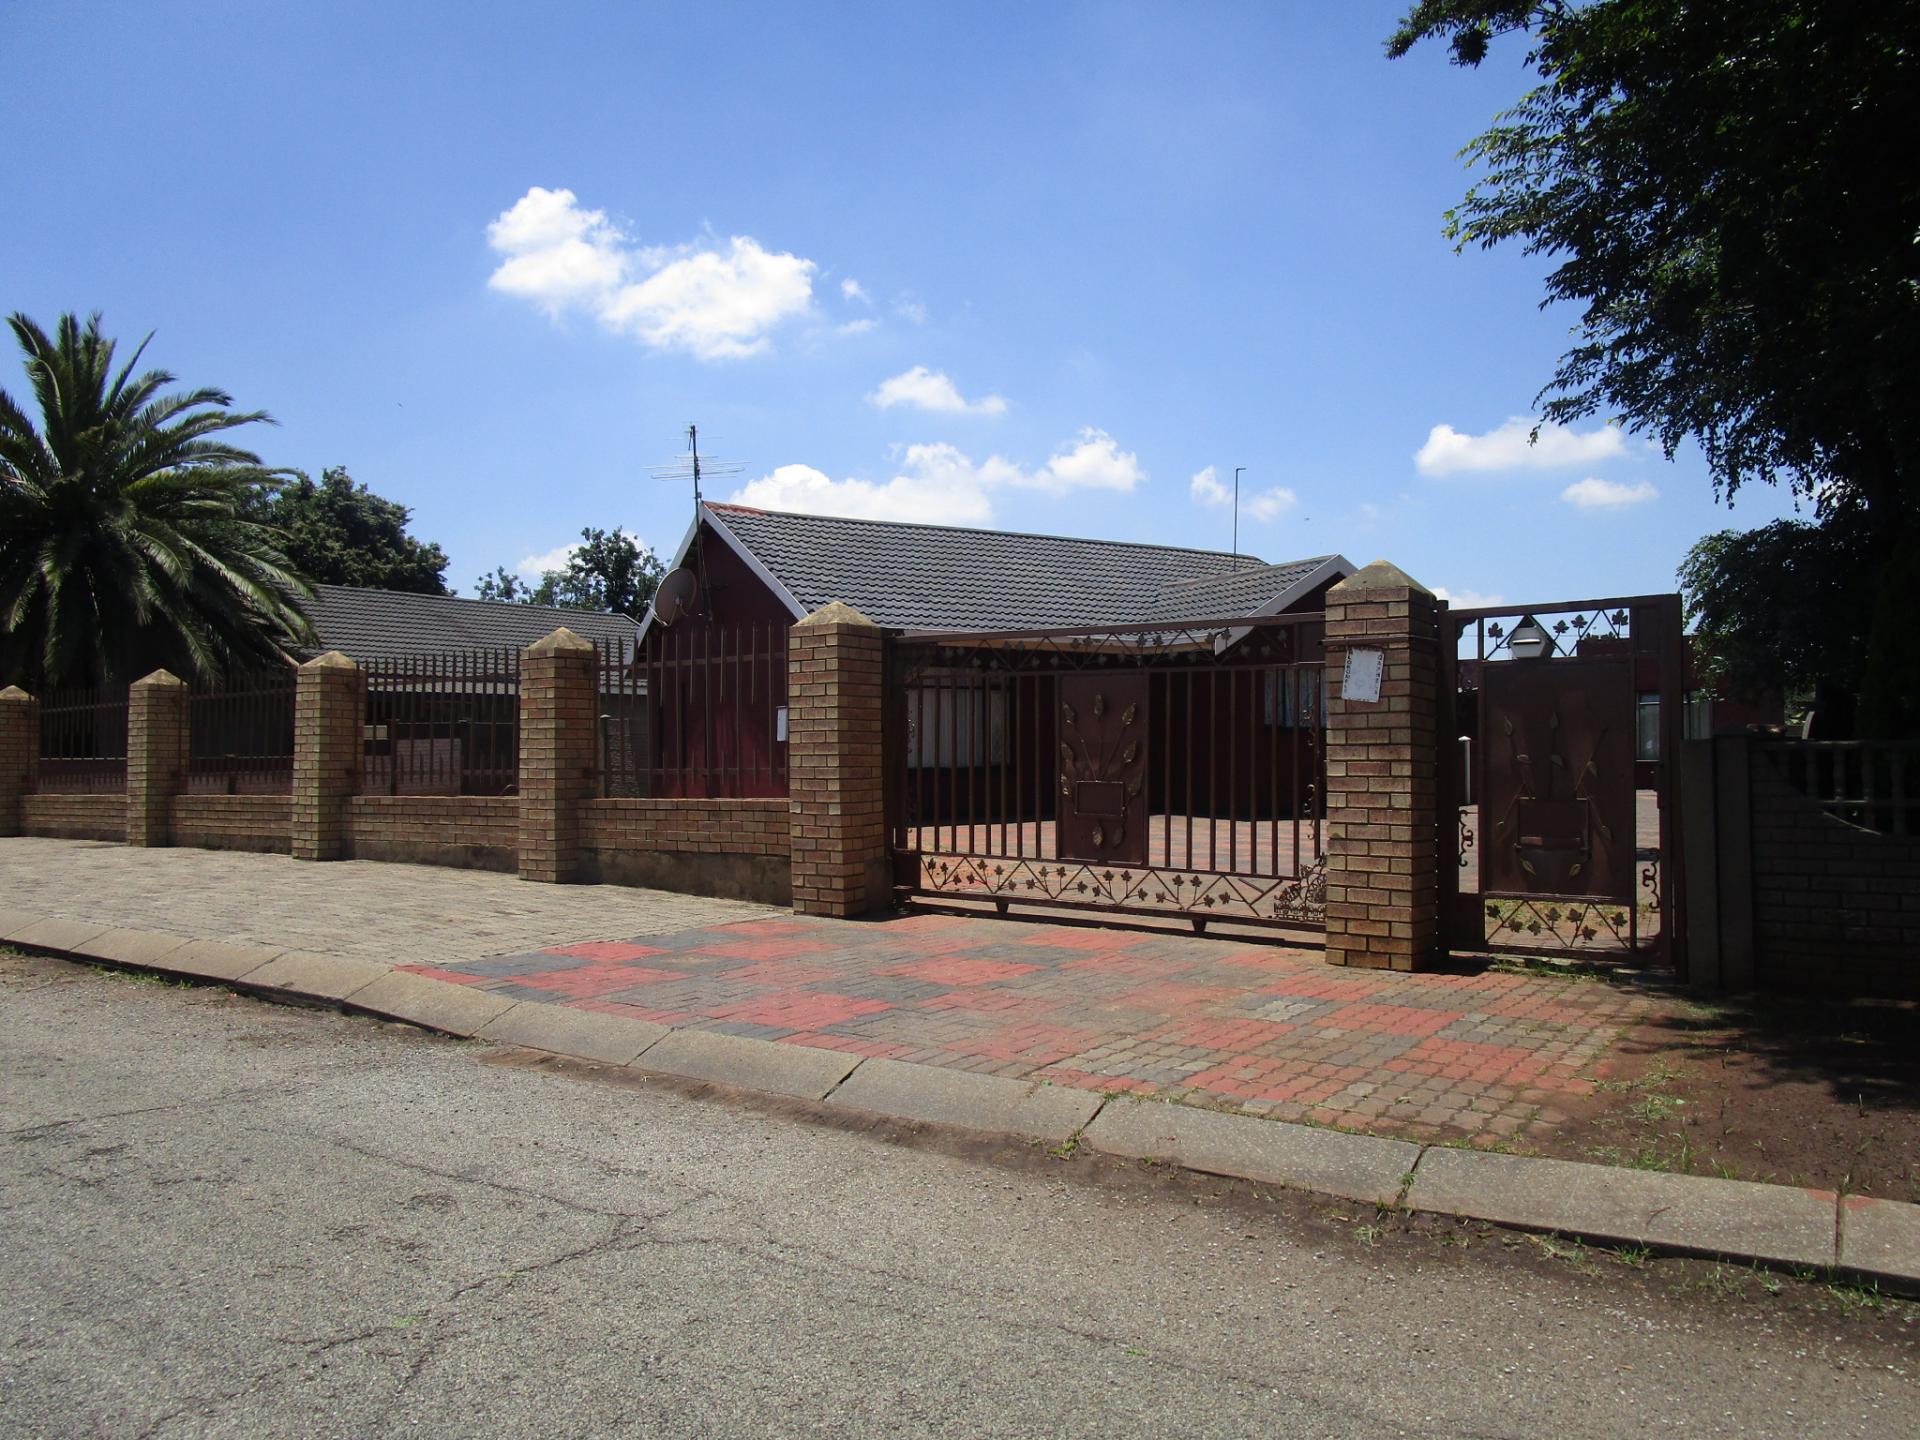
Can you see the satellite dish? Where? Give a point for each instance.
(676, 595)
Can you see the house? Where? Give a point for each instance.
(373, 625)
(759, 571)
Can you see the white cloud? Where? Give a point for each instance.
(1595, 494)
(713, 300)
(851, 289)
(1207, 489)
(1468, 599)
(1448, 451)
(532, 567)
(925, 389)
(856, 327)
(939, 484)
(908, 308)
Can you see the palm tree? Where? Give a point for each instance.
(124, 537)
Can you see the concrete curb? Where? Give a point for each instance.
(1875, 1241)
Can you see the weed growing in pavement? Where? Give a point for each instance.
(1067, 1148)
(1634, 1257)
(142, 977)
(1858, 1295)
(1574, 1251)
(1368, 1235)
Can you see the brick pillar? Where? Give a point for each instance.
(1382, 804)
(835, 669)
(156, 755)
(559, 691)
(328, 716)
(19, 753)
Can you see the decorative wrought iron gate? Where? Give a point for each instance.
(1170, 769)
(1562, 779)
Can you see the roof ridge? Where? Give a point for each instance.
(517, 607)
(729, 508)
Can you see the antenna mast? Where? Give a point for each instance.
(694, 469)
(1238, 470)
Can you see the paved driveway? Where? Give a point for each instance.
(1259, 1027)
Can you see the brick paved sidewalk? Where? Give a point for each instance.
(1258, 1027)
(1254, 1027)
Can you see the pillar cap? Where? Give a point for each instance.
(561, 642)
(158, 679)
(836, 613)
(332, 660)
(1380, 575)
(14, 695)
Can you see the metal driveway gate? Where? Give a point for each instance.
(1166, 769)
(1562, 778)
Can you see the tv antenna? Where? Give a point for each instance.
(683, 594)
(1238, 471)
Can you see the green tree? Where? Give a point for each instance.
(1731, 194)
(338, 532)
(1784, 609)
(125, 541)
(608, 570)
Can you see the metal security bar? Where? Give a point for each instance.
(446, 724)
(716, 708)
(1872, 785)
(622, 720)
(240, 734)
(83, 741)
(1158, 769)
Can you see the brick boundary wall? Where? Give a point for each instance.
(465, 832)
(559, 709)
(1382, 800)
(328, 716)
(234, 822)
(1835, 907)
(836, 669)
(735, 849)
(19, 754)
(98, 816)
(156, 755)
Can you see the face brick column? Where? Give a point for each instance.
(327, 722)
(19, 753)
(156, 755)
(835, 670)
(1382, 842)
(559, 691)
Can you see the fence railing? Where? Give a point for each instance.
(702, 713)
(240, 734)
(446, 724)
(83, 741)
(1874, 785)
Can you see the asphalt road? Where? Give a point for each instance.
(222, 1217)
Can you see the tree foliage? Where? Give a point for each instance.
(1783, 608)
(608, 570)
(126, 540)
(1730, 193)
(337, 532)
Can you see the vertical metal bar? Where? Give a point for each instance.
(1273, 769)
(1233, 760)
(706, 709)
(1188, 797)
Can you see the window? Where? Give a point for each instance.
(1647, 728)
(1293, 696)
(968, 724)
(1698, 724)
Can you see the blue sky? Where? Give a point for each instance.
(1045, 267)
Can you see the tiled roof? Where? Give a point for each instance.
(1243, 592)
(938, 577)
(376, 624)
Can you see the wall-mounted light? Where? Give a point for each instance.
(1529, 640)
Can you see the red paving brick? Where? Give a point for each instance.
(1265, 1028)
